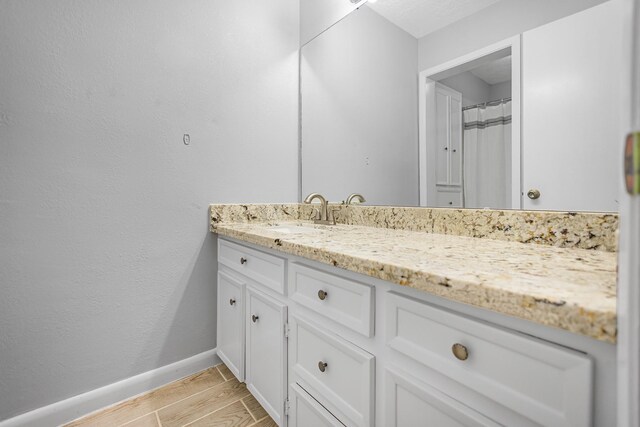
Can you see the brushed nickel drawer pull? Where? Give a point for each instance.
(460, 351)
(322, 366)
(232, 301)
(254, 318)
(322, 294)
(243, 260)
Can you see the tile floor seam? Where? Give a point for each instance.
(248, 410)
(135, 419)
(260, 420)
(191, 395)
(240, 391)
(221, 374)
(137, 396)
(217, 410)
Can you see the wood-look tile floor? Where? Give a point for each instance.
(213, 397)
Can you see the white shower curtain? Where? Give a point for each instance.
(487, 156)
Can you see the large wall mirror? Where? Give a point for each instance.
(503, 104)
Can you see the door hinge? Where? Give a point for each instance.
(286, 330)
(286, 406)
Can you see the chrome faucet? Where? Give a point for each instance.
(323, 216)
(355, 196)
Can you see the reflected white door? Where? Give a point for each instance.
(571, 108)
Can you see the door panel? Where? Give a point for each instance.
(230, 327)
(571, 109)
(266, 352)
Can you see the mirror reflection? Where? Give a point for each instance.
(507, 104)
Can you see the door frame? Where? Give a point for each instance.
(463, 63)
(628, 295)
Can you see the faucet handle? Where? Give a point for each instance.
(332, 215)
(315, 215)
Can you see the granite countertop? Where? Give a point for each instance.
(569, 288)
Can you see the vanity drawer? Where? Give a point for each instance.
(449, 199)
(342, 300)
(545, 383)
(268, 270)
(345, 385)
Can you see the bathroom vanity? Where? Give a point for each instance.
(379, 324)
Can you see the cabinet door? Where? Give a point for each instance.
(266, 352)
(442, 136)
(231, 323)
(448, 143)
(307, 412)
(410, 403)
(455, 139)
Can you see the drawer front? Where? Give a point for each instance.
(345, 385)
(268, 270)
(342, 300)
(449, 199)
(546, 384)
(410, 402)
(231, 323)
(307, 412)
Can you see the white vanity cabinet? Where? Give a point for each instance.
(510, 378)
(231, 342)
(414, 402)
(252, 322)
(267, 352)
(329, 347)
(306, 411)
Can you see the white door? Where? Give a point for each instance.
(571, 109)
(266, 352)
(230, 327)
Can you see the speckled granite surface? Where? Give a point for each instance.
(573, 289)
(560, 229)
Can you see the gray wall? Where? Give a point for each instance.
(107, 269)
(318, 15)
(500, 90)
(497, 22)
(474, 90)
(359, 111)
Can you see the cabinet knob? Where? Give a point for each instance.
(254, 318)
(454, 150)
(533, 194)
(322, 294)
(322, 366)
(446, 148)
(450, 203)
(243, 260)
(460, 351)
(232, 301)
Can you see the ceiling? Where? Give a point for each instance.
(421, 17)
(497, 71)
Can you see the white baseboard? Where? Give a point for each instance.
(69, 409)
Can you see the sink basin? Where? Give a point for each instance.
(291, 229)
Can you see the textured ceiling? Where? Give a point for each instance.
(421, 17)
(494, 72)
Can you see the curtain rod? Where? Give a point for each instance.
(484, 104)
